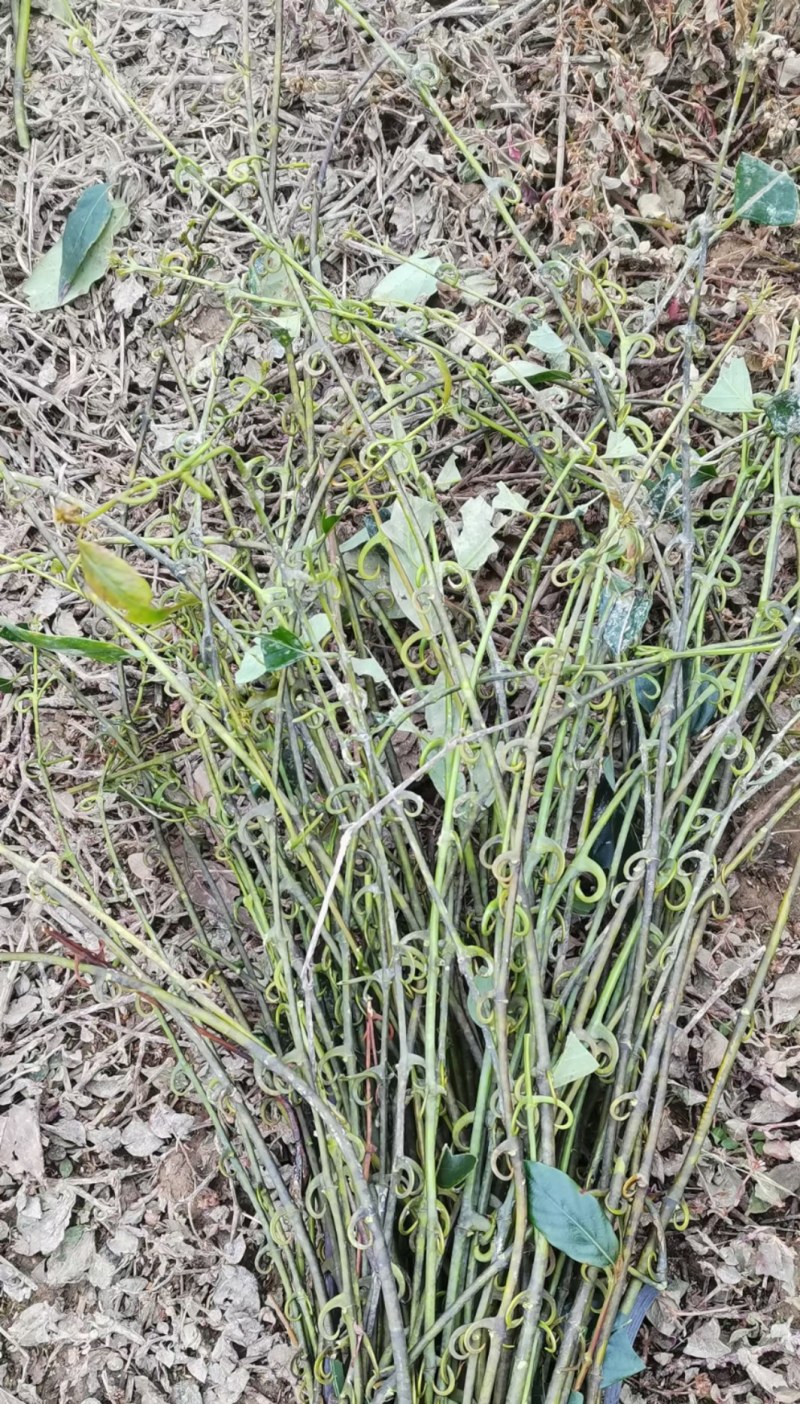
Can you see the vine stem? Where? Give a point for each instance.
(21, 14)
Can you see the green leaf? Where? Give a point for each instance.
(398, 527)
(732, 393)
(647, 689)
(476, 287)
(783, 414)
(409, 283)
(338, 1377)
(543, 338)
(83, 228)
(620, 1360)
(42, 288)
(357, 540)
(268, 278)
(575, 1397)
(506, 500)
(118, 584)
(527, 373)
(398, 530)
(474, 544)
(369, 668)
(763, 194)
(454, 1169)
(252, 666)
(624, 612)
(58, 643)
(575, 1063)
(449, 474)
(620, 446)
(419, 611)
(318, 627)
(281, 649)
(6, 685)
(571, 1221)
(721, 1137)
(443, 722)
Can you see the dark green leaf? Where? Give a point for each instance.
(704, 473)
(647, 690)
(620, 1360)
(604, 846)
(338, 1377)
(83, 228)
(329, 522)
(762, 194)
(571, 1221)
(454, 1169)
(704, 700)
(624, 612)
(665, 491)
(90, 648)
(721, 1137)
(783, 413)
(528, 373)
(6, 685)
(665, 495)
(281, 649)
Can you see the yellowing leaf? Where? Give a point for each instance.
(118, 584)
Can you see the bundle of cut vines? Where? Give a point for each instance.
(479, 767)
